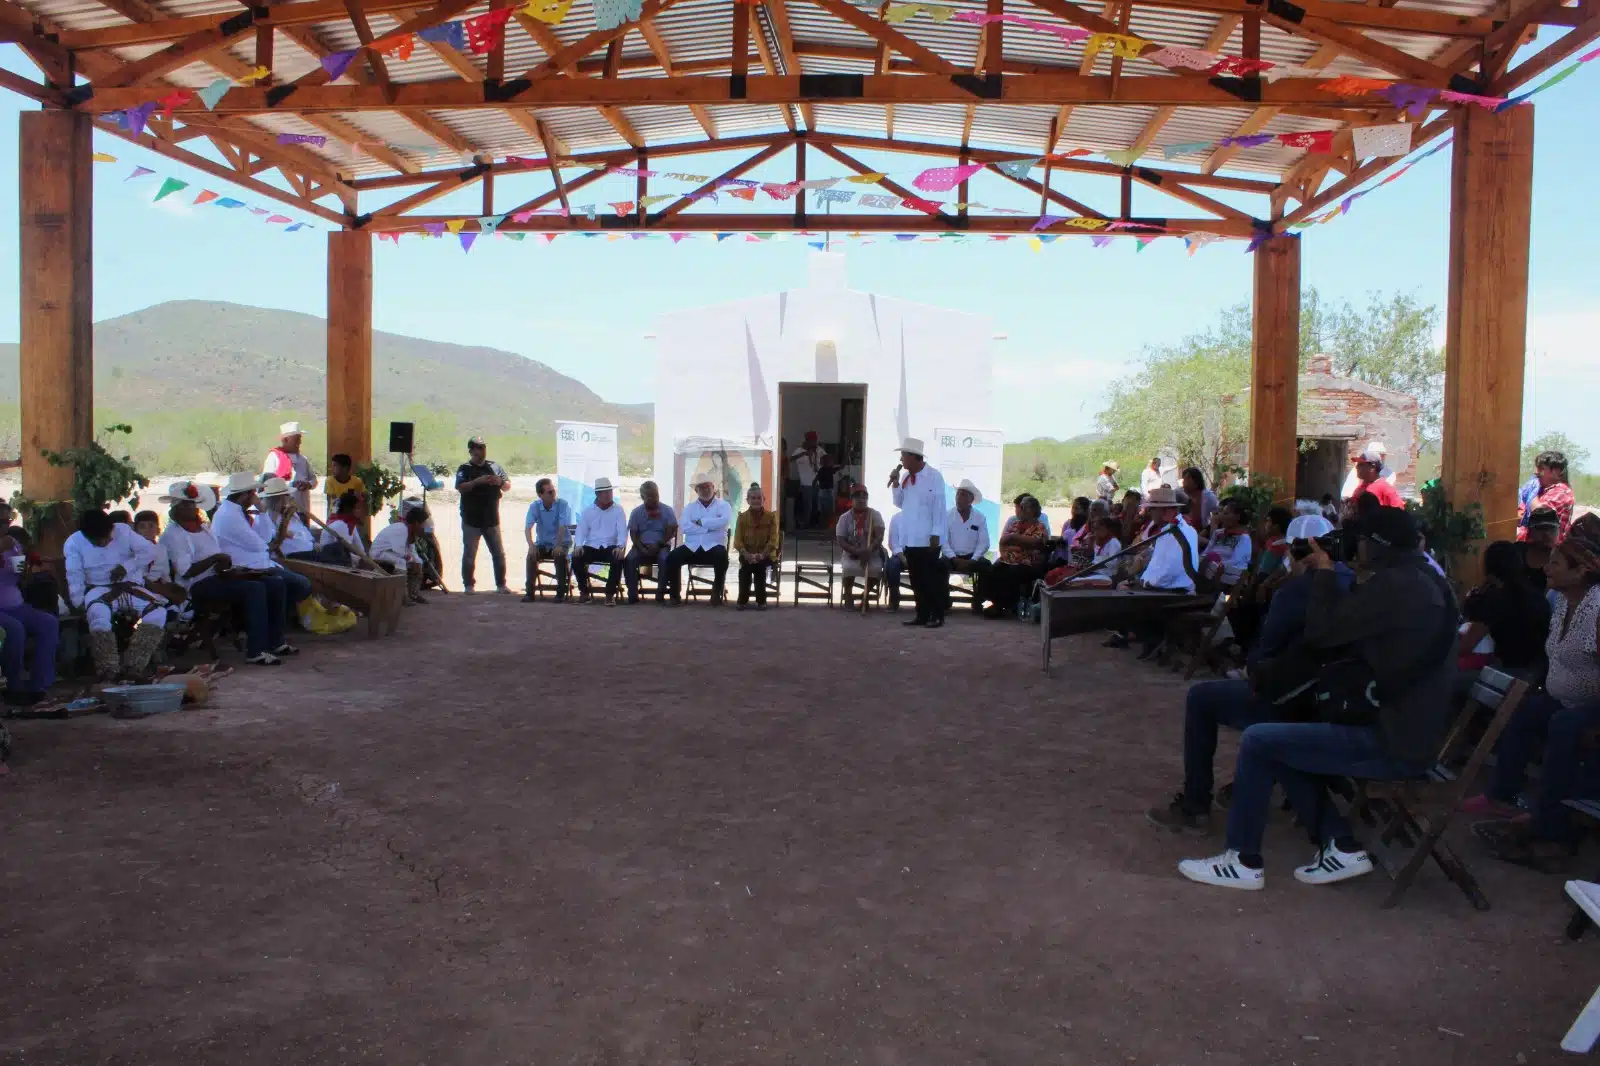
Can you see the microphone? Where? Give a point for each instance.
(894, 475)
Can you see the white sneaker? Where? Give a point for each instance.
(1225, 871)
(1330, 864)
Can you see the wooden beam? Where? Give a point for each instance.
(778, 11)
(373, 59)
(1418, 21)
(1573, 41)
(1486, 315)
(740, 48)
(678, 206)
(883, 33)
(555, 172)
(264, 51)
(769, 63)
(904, 221)
(531, 205)
(1361, 174)
(1215, 42)
(1353, 42)
(1275, 364)
(194, 47)
(563, 57)
(861, 168)
(658, 48)
(881, 65)
(1048, 196)
(349, 373)
(56, 245)
(1036, 89)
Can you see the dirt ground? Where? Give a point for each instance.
(524, 833)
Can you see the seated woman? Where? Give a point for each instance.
(1228, 554)
(22, 623)
(1507, 618)
(1558, 721)
(1552, 492)
(1021, 559)
(1075, 524)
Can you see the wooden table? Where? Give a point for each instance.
(1066, 611)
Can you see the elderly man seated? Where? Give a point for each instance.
(653, 527)
(105, 564)
(238, 538)
(1173, 557)
(966, 540)
(860, 534)
(546, 529)
(602, 540)
(706, 522)
(280, 524)
(394, 547)
(206, 572)
(757, 537)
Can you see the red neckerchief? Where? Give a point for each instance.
(863, 518)
(196, 527)
(911, 479)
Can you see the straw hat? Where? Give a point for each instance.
(1162, 496)
(273, 487)
(967, 486)
(203, 496)
(1111, 465)
(238, 483)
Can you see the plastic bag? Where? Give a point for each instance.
(324, 621)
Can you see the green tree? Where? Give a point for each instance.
(1388, 343)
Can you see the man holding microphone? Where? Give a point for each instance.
(920, 497)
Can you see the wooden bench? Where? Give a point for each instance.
(1585, 1030)
(1068, 611)
(378, 595)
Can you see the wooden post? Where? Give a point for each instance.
(1486, 319)
(57, 320)
(350, 344)
(1275, 363)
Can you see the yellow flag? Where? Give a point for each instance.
(1123, 159)
(866, 179)
(896, 13)
(104, 157)
(1119, 44)
(255, 75)
(549, 11)
(455, 225)
(939, 12)
(1087, 223)
(1035, 243)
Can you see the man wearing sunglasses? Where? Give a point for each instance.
(546, 529)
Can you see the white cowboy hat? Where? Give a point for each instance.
(704, 479)
(290, 429)
(912, 445)
(204, 496)
(602, 484)
(967, 486)
(273, 486)
(1111, 465)
(1309, 527)
(238, 483)
(1162, 496)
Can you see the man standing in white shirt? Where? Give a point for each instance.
(966, 541)
(804, 463)
(285, 461)
(1376, 453)
(1150, 478)
(920, 497)
(704, 526)
(602, 538)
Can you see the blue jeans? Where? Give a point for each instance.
(295, 586)
(1543, 724)
(891, 576)
(638, 557)
(20, 623)
(1209, 706)
(263, 601)
(1298, 755)
(490, 535)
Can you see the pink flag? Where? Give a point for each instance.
(943, 179)
(521, 216)
(280, 219)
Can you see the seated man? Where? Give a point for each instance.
(106, 562)
(340, 541)
(758, 538)
(706, 522)
(1167, 565)
(547, 530)
(859, 534)
(1383, 718)
(205, 572)
(341, 481)
(394, 547)
(238, 540)
(280, 524)
(653, 527)
(966, 540)
(602, 540)
(895, 565)
(1240, 704)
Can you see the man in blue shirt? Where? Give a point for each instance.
(652, 527)
(547, 530)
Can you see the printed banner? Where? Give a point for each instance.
(974, 455)
(584, 451)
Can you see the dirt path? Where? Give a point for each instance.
(530, 834)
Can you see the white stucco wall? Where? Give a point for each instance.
(718, 368)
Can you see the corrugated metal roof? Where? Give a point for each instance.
(698, 32)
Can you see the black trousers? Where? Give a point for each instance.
(1006, 583)
(590, 556)
(683, 555)
(980, 575)
(535, 555)
(928, 581)
(753, 574)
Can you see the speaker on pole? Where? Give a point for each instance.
(400, 437)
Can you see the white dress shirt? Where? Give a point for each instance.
(297, 538)
(1165, 570)
(160, 568)
(184, 549)
(1107, 550)
(967, 537)
(602, 527)
(1235, 558)
(803, 466)
(238, 538)
(1149, 479)
(389, 545)
(337, 533)
(705, 525)
(1352, 479)
(920, 497)
(892, 536)
(89, 566)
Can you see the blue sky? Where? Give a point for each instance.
(1075, 317)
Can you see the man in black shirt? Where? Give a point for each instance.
(481, 484)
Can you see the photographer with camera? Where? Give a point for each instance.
(1380, 699)
(1211, 705)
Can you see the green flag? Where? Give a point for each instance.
(170, 186)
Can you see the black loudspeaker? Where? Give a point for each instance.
(400, 437)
